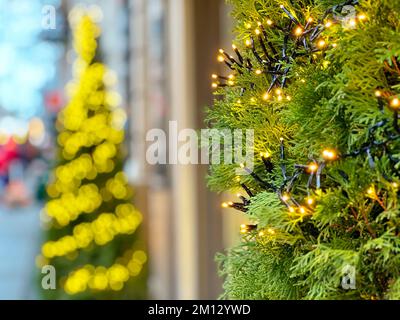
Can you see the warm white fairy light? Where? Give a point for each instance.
(395, 102)
(328, 154)
(321, 43)
(266, 96)
(298, 31)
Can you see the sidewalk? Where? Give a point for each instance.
(19, 245)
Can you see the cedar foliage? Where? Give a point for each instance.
(355, 220)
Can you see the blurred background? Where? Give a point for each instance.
(163, 53)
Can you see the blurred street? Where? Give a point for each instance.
(19, 245)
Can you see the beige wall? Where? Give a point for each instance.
(185, 224)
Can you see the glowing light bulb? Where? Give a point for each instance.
(257, 31)
(242, 165)
(362, 17)
(280, 98)
(352, 23)
(231, 83)
(261, 233)
(221, 51)
(214, 85)
(298, 31)
(378, 93)
(271, 231)
(302, 210)
(288, 98)
(285, 197)
(291, 210)
(221, 58)
(310, 19)
(371, 191)
(258, 71)
(248, 43)
(269, 22)
(224, 205)
(278, 92)
(214, 76)
(265, 154)
(334, 45)
(266, 96)
(395, 185)
(395, 102)
(328, 24)
(312, 167)
(310, 201)
(231, 76)
(321, 43)
(329, 154)
(234, 47)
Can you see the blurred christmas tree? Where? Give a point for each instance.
(92, 241)
(318, 81)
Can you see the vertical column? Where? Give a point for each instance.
(181, 59)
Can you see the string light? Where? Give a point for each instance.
(269, 22)
(371, 191)
(378, 93)
(312, 167)
(310, 201)
(328, 24)
(321, 43)
(258, 72)
(328, 154)
(298, 31)
(265, 155)
(395, 102)
(352, 23)
(285, 197)
(362, 17)
(271, 231)
(266, 96)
